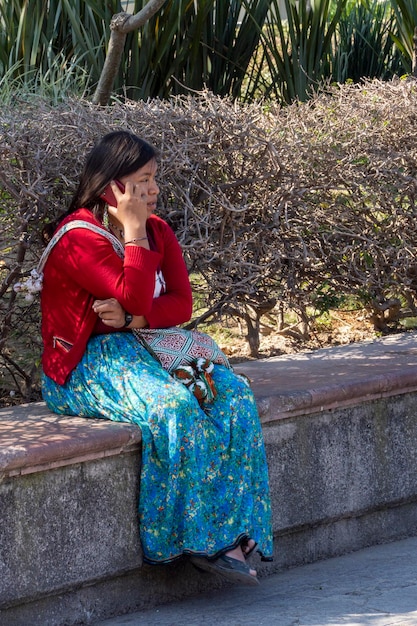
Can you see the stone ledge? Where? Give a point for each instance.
(281, 405)
(343, 376)
(34, 439)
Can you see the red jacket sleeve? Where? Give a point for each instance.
(175, 305)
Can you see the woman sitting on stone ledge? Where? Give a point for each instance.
(112, 267)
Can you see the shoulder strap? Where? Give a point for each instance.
(118, 248)
(33, 283)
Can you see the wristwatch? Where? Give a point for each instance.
(128, 319)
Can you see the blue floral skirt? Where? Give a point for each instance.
(204, 479)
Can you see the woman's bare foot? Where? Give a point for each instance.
(237, 553)
(248, 547)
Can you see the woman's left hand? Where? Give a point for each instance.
(110, 312)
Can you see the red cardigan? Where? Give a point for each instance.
(83, 267)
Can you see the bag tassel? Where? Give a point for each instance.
(197, 378)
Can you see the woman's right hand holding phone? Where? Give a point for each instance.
(131, 211)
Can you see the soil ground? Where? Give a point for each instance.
(340, 328)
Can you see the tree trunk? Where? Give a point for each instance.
(112, 62)
(120, 25)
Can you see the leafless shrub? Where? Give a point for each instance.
(277, 210)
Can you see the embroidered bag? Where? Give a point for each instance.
(188, 355)
(176, 346)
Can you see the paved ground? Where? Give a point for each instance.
(373, 587)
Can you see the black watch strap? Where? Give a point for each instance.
(128, 319)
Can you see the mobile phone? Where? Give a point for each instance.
(108, 195)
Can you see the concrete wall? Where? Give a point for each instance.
(343, 479)
(62, 527)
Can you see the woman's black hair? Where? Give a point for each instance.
(117, 154)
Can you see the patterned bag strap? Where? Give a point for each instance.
(33, 283)
(78, 224)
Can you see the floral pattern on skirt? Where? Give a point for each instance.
(204, 479)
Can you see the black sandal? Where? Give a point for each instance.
(229, 568)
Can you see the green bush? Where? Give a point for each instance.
(242, 49)
(364, 45)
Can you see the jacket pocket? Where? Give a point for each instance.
(58, 342)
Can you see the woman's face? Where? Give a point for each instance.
(145, 177)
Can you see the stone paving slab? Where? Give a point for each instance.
(376, 586)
